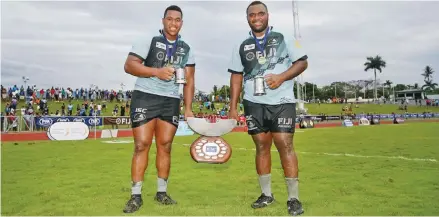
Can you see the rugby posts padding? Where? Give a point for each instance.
(364, 122)
(68, 131)
(306, 123)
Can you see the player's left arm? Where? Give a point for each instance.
(189, 87)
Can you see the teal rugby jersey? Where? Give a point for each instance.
(281, 53)
(153, 53)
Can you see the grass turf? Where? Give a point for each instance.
(93, 178)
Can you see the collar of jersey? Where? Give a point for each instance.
(161, 33)
(250, 33)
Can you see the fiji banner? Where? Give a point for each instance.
(117, 121)
(48, 121)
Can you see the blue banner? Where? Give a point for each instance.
(184, 129)
(89, 121)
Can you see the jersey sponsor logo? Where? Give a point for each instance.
(160, 45)
(160, 55)
(249, 47)
(272, 42)
(250, 56)
(180, 51)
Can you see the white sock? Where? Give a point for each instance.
(265, 184)
(136, 187)
(292, 188)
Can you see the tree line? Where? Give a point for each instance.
(365, 88)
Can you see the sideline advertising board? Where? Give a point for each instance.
(68, 131)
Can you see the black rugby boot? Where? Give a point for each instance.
(164, 198)
(294, 207)
(133, 204)
(263, 201)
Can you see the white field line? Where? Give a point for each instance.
(315, 153)
(346, 155)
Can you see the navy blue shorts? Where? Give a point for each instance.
(270, 118)
(145, 107)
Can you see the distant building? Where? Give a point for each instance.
(410, 94)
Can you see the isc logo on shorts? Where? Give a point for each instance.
(139, 115)
(140, 110)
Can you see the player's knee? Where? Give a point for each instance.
(286, 149)
(165, 146)
(141, 147)
(262, 149)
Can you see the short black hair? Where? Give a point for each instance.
(256, 3)
(173, 8)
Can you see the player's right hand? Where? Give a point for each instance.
(233, 114)
(165, 73)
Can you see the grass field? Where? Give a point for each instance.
(329, 109)
(343, 171)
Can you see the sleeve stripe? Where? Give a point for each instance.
(136, 55)
(234, 72)
(190, 65)
(301, 59)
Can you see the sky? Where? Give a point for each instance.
(77, 44)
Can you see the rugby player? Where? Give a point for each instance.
(155, 102)
(271, 117)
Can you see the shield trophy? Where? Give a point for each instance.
(210, 147)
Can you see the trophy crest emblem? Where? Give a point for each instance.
(210, 147)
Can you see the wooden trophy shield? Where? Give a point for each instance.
(210, 147)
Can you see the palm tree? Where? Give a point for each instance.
(429, 86)
(428, 73)
(388, 84)
(428, 79)
(375, 63)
